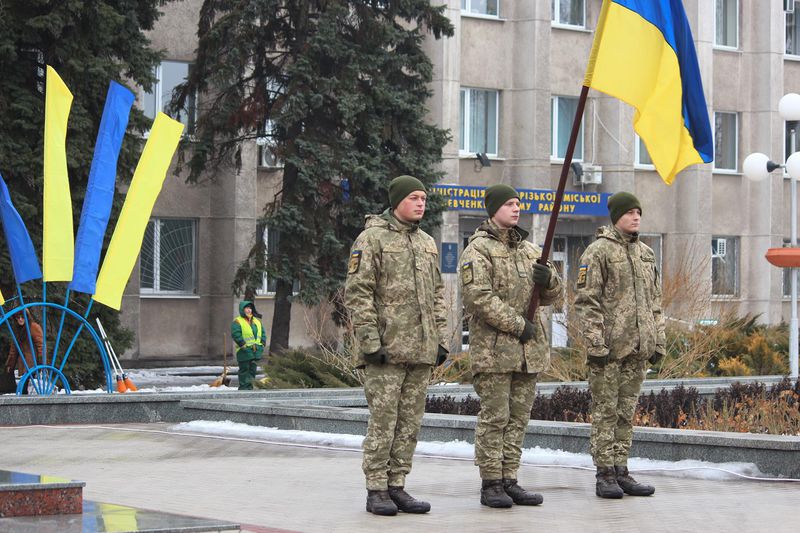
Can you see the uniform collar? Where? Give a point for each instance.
(510, 237)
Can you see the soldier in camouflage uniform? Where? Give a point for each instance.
(618, 304)
(395, 296)
(507, 351)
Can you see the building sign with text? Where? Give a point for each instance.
(535, 201)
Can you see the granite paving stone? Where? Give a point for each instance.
(271, 487)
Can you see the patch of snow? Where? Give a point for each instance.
(543, 457)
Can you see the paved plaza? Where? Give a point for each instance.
(268, 487)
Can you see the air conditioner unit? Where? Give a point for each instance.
(719, 247)
(788, 6)
(590, 175)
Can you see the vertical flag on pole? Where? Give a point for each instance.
(58, 239)
(129, 232)
(100, 189)
(23, 256)
(643, 54)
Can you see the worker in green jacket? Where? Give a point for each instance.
(250, 338)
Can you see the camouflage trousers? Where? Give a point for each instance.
(396, 399)
(615, 393)
(506, 402)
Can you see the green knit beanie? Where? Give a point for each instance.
(402, 186)
(497, 195)
(620, 203)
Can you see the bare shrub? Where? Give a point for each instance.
(335, 345)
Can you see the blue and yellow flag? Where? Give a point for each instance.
(643, 54)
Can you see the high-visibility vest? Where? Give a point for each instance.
(250, 339)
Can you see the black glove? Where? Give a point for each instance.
(541, 275)
(528, 332)
(655, 358)
(377, 358)
(597, 362)
(441, 355)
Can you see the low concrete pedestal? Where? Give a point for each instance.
(32, 495)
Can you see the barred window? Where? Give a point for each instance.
(168, 262)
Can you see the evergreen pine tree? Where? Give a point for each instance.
(338, 88)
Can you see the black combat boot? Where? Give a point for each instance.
(630, 485)
(606, 486)
(519, 495)
(406, 503)
(493, 495)
(379, 502)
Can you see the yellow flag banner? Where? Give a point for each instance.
(58, 241)
(129, 232)
(2, 300)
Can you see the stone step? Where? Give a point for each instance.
(33, 495)
(99, 517)
(31, 503)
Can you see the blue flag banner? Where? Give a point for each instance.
(534, 201)
(23, 256)
(100, 189)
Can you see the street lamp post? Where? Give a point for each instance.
(757, 167)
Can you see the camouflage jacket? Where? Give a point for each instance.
(618, 299)
(496, 287)
(394, 291)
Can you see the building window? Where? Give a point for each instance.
(791, 129)
(563, 109)
(793, 30)
(726, 141)
(268, 284)
(569, 12)
(266, 148)
(724, 266)
(168, 262)
(170, 74)
(642, 155)
(481, 7)
(479, 112)
(270, 238)
(727, 24)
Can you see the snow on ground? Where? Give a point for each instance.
(537, 456)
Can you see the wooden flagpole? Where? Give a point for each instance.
(551, 228)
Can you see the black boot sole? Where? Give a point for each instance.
(635, 493)
(528, 502)
(421, 510)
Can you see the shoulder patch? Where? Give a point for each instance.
(355, 262)
(467, 276)
(582, 271)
